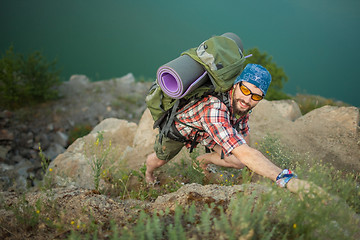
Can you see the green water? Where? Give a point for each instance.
(315, 41)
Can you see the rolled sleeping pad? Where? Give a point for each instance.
(235, 38)
(180, 76)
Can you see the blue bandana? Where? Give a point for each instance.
(257, 75)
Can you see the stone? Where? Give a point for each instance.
(43, 140)
(79, 81)
(54, 150)
(16, 159)
(4, 151)
(74, 163)
(289, 109)
(6, 135)
(145, 134)
(61, 138)
(202, 195)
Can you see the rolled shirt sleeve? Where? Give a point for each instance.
(211, 122)
(217, 123)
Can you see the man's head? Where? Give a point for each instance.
(256, 75)
(249, 88)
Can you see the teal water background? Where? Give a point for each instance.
(315, 41)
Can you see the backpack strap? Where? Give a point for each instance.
(170, 119)
(167, 126)
(223, 97)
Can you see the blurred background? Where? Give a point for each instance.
(316, 42)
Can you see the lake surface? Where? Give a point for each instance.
(315, 41)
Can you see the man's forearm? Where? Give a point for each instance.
(256, 161)
(247, 139)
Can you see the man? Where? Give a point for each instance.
(223, 127)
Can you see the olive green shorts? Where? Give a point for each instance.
(167, 149)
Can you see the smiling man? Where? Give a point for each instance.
(221, 124)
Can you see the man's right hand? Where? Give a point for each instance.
(302, 187)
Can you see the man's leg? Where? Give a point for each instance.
(164, 152)
(215, 158)
(152, 162)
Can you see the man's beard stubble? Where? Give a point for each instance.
(238, 111)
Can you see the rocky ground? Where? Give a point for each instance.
(117, 108)
(82, 104)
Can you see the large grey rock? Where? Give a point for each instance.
(79, 81)
(203, 195)
(145, 133)
(54, 150)
(61, 138)
(330, 134)
(74, 164)
(289, 109)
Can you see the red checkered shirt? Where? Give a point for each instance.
(217, 122)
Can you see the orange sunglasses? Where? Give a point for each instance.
(246, 91)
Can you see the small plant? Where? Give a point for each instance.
(281, 156)
(79, 131)
(47, 178)
(307, 102)
(27, 215)
(28, 80)
(278, 75)
(97, 156)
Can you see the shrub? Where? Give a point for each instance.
(79, 131)
(308, 102)
(97, 155)
(26, 80)
(278, 76)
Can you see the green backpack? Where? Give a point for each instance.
(222, 57)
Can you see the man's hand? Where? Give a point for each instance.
(302, 187)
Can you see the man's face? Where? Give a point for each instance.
(241, 103)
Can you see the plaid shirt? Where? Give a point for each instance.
(217, 122)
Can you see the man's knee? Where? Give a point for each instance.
(167, 149)
(235, 162)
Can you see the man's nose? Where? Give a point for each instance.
(247, 98)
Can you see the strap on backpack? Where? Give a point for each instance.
(170, 119)
(168, 129)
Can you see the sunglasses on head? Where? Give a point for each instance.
(246, 91)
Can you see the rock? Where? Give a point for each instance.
(27, 153)
(329, 118)
(61, 138)
(6, 114)
(17, 176)
(289, 109)
(22, 168)
(112, 125)
(126, 80)
(204, 195)
(330, 134)
(50, 127)
(82, 103)
(3, 152)
(145, 134)
(266, 119)
(16, 159)
(74, 164)
(54, 150)
(43, 140)
(5, 135)
(79, 81)
(6, 167)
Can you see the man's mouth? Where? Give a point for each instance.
(243, 104)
